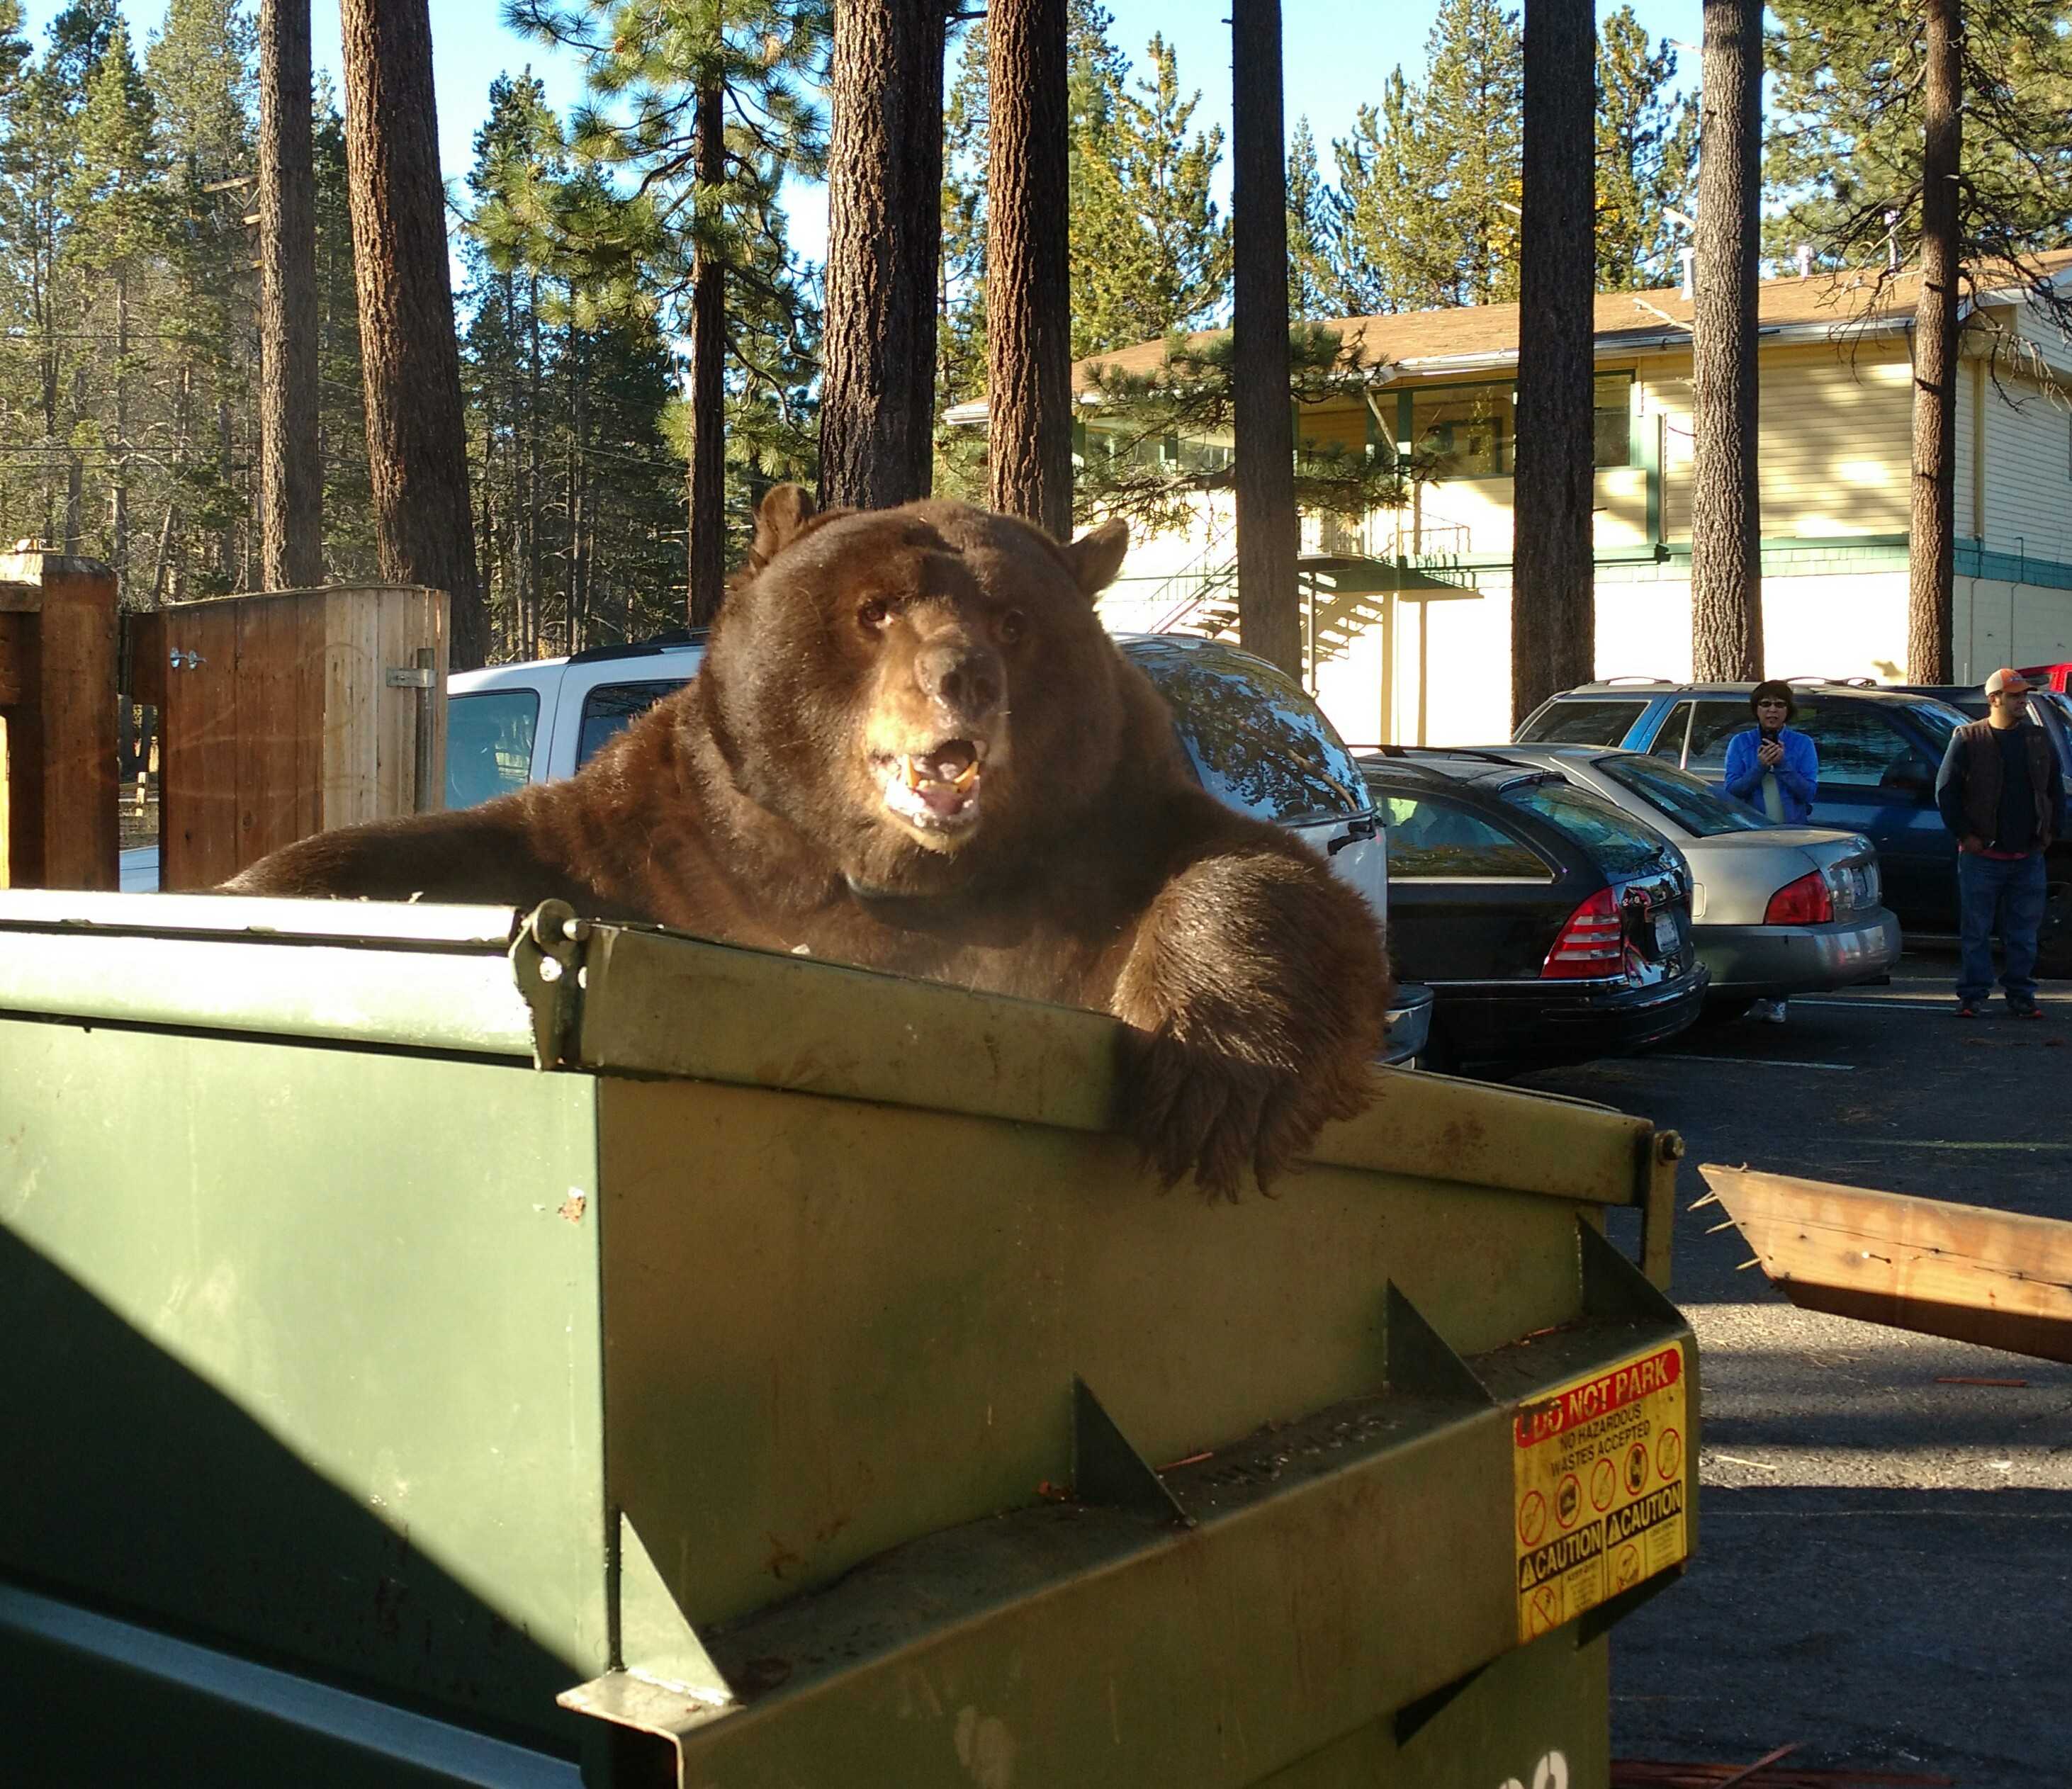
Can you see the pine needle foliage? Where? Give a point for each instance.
(1149, 457)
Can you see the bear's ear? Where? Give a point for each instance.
(780, 519)
(1095, 558)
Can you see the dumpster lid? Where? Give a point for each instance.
(237, 915)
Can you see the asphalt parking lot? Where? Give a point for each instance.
(1885, 1568)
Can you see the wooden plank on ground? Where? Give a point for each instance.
(2002, 1279)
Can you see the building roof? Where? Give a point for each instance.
(1822, 306)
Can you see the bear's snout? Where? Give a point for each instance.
(961, 677)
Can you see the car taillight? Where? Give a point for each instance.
(1804, 902)
(1592, 943)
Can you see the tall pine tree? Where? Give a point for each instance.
(1152, 249)
(707, 109)
(114, 198)
(1311, 287)
(1927, 136)
(1647, 151)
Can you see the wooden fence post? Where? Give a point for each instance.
(57, 722)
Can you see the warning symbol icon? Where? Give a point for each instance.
(1568, 1501)
(1545, 1611)
(1669, 1454)
(1625, 1568)
(1636, 1469)
(1604, 1482)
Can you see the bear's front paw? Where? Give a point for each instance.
(1195, 1110)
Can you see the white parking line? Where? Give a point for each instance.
(1752, 1062)
(1945, 1003)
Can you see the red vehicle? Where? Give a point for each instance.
(2051, 676)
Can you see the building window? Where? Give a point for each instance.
(1611, 420)
(1468, 429)
(1471, 430)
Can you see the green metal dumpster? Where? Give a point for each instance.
(447, 1345)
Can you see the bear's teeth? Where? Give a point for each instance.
(967, 776)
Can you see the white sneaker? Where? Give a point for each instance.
(1770, 1012)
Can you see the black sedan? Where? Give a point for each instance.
(1549, 926)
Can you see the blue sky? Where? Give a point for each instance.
(1337, 54)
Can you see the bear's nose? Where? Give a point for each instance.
(959, 676)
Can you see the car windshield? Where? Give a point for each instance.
(1620, 845)
(1938, 719)
(1257, 740)
(1583, 722)
(1693, 804)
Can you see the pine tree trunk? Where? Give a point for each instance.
(291, 473)
(227, 555)
(118, 494)
(1931, 546)
(1269, 619)
(416, 445)
(1553, 601)
(707, 539)
(535, 483)
(74, 471)
(1028, 289)
(885, 228)
(1726, 511)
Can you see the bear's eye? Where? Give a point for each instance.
(873, 615)
(1012, 626)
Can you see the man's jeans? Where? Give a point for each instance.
(2010, 890)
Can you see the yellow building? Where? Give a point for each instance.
(1409, 610)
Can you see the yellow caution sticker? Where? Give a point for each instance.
(1597, 1466)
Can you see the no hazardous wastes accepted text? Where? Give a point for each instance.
(1598, 1472)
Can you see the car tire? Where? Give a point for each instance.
(2053, 955)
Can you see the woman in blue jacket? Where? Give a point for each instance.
(1775, 769)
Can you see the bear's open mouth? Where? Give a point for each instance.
(936, 789)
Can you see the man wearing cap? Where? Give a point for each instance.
(1776, 768)
(1999, 792)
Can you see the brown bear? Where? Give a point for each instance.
(911, 746)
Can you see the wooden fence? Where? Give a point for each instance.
(278, 715)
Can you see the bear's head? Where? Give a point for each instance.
(924, 692)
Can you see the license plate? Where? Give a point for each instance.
(1666, 942)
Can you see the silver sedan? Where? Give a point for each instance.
(1776, 910)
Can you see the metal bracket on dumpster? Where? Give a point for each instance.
(663, 1682)
(1107, 1470)
(547, 957)
(1420, 1363)
(1613, 1287)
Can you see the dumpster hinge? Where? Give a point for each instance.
(547, 957)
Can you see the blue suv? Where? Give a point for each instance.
(1879, 750)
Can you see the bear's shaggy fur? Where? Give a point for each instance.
(910, 745)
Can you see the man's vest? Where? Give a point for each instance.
(1982, 781)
